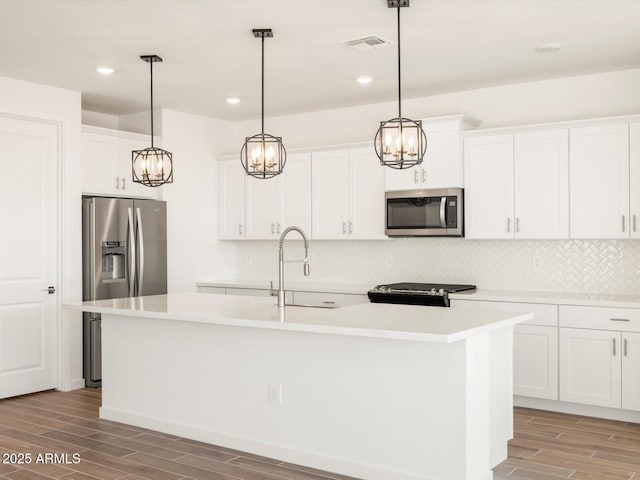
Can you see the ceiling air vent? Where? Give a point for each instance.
(367, 44)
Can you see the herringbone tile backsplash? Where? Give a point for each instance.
(585, 266)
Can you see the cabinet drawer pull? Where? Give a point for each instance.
(614, 347)
(624, 347)
(619, 319)
(329, 302)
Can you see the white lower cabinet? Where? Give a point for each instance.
(631, 371)
(535, 361)
(535, 346)
(590, 367)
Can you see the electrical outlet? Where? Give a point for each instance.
(275, 394)
(535, 263)
(249, 257)
(388, 260)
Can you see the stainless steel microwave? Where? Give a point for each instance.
(425, 213)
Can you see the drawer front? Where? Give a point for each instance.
(600, 318)
(328, 299)
(543, 314)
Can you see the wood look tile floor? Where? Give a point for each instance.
(547, 446)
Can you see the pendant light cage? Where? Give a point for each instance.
(152, 166)
(400, 142)
(263, 156)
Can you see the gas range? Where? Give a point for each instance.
(432, 294)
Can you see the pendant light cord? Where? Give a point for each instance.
(399, 80)
(151, 70)
(262, 91)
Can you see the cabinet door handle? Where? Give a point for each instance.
(517, 224)
(624, 347)
(350, 227)
(623, 223)
(278, 227)
(415, 176)
(633, 220)
(619, 319)
(508, 224)
(123, 184)
(117, 183)
(240, 229)
(273, 228)
(614, 347)
(424, 176)
(344, 227)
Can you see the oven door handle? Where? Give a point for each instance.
(443, 210)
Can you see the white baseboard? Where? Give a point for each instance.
(280, 452)
(577, 409)
(74, 384)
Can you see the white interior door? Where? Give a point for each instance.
(28, 255)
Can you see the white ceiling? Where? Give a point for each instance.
(210, 54)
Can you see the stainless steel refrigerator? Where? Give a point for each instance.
(124, 254)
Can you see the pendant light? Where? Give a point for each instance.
(152, 166)
(400, 142)
(263, 156)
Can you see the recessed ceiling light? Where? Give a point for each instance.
(548, 47)
(364, 79)
(233, 100)
(104, 70)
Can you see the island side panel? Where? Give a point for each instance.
(501, 395)
(366, 407)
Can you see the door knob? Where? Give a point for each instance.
(50, 289)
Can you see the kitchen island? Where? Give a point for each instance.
(374, 391)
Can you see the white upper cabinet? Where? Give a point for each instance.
(106, 163)
(599, 184)
(260, 209)
(442, 165)
(541, 184)
(295, 196)
(348, 194)
(634, 177)
(488, 166)
(231, 188)
(366, 195)
(517, 185)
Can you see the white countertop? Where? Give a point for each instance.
(518, 296)
(400, 322)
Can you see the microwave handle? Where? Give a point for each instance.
(443, 210)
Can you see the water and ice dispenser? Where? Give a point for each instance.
(114, 261)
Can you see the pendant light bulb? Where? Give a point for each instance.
(263, 156)
(152, 167)
(400, 142)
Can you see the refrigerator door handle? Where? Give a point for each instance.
(132, 254)
(141, 250)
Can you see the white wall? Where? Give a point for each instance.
(32, 100)
(192, 200)
(570, 98)
(97, 119)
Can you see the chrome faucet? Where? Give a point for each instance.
(281, 261)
